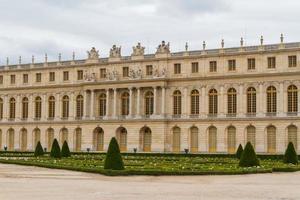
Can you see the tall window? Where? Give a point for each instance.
(271, 99)
(80, 75)
(292, 61)
(271, 62)
(292, 135)
(103, 73)
(125, 103)
(65, 76)
(38, 107)
(213, 102)
(195, 102)
(292, 98)
(195, 67)
(1, 79)
(12, 79)
(25, 78)
(102, 105)
(149, 70)
(213, 66)
(251, 100)
(51, 76)
(51, 107)
(25, 108)
(231, 139)
(1, 108)
(65, 106)
(194, 139)
(251, 63)
(251, 135)
(176, 139)
(212, 139)
(38, 77)
(231, 101)
(177, 102)
(231, 65)
(79, 106)
(12, 108)
(125, 71)
(177, 68)
(149, 103)
(271, 139)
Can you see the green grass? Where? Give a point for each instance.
(147, 164)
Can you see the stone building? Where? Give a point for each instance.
(207, 101)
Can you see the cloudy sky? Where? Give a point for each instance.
(36, 27)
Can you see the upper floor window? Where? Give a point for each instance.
(79, 106)
(102, 105)
(195, 102)
(195, 67)
(251, 100)
(292, 98)
(149, 70)
(1, 108)
(213, 66)
(292, 61)
(25, 108)
(149, 103)
(38, 107)
(12, 108)
(65, 106)
(271, 99)
(51, 107)
(271, 62)
(80, 75)
(213, 102)
(12, 79)
(231, 65)
(1, 79)
(25, 78)
(231, 101)
(51, 76)
(177, 102)
(125, 71)
(251, 63)
(65, 75)
(103, 73)
(177, 68)
(125, 104)
(38, 77)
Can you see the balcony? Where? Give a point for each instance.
(11, 119)
(292, 113)
(24, 119)
(78, 118)
(232, 115)
(37, 119)
(64, 118)
(50, 118)
(271, 114)
(99, 117)
(194, 116)
(250, 114)
(212, 115)
(176, 116)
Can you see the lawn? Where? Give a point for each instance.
(148, 164)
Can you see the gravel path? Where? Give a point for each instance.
(22, 182)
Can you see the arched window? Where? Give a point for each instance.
(63, 135)
(36, 136)
(77, 138)
(177, 102)
(231, 101)
(195, 102)
(102, 105)
(98, 138)
(176, 139)
(1, 108)
(50, 138)
(122, 138)
(149, 103)
(271, 99)
(79, 106)
(271, 139)
(1, 138)
(292, 135)
(23, 139)
(213, 102)
(212, 139)
(11, 139)
(51, 107)
(251, 100)
(292, 99)
(65, 107)
(251, 135)
(25, 108)
(146, 139)
(194, 139)
(125, 104)
(12, 108)
(38, 107)
(231, 139)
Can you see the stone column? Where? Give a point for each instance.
(18, 108)
(92, 105)
(280, 100)
(203, 102)
(154, 100)
(185, 103)
(138, 106)
(240, 100)
(85, 108)
(260, 103)
(222, 105)
(57, 109)
(5, 108)
(130, 102)
(107, 104)
(30, 107)
(115, 103)
(44, 110)
(163, 96)
(72, 106)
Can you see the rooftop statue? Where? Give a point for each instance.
(93, 54)
(115, 52)
(163, 47)
(138, 50)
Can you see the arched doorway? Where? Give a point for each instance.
(212, 139)
(251, 135)
(63, 135)
(194, 139)
(176, 139)
(122, 138)
(292, 135)
(11, 139)
(77, 139)
(23, 139)
(98, 139)
(145, 139)
(231, 139)
(36, 136)
(271, 139)
(50, 138)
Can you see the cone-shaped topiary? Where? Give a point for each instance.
(239, 152)
(55, 150)
(248, 158)
(38, 150)
(113, 158)
(290, 155)
(65, 151)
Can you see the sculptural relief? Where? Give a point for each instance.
(89, 76)
(115, 52)
(93, 54)
(138, 50)
(163, 47)
(135, 74)
(112, 75)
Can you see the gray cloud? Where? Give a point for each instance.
(53, 26)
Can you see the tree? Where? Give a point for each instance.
(248, 158)
(239, 152)
(113, 158)
(38, 150)
(65, 151)
(290, 155)
(55, 150)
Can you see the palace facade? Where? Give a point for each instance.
(207, 101)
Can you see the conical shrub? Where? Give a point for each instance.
(239, 152)
(113, 159)
(38, 150)
(248, 158)
(55, 150)
(290, 155)
(65, 151)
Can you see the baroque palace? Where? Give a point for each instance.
(207, 101)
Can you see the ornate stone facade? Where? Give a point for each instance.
(204, 101)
